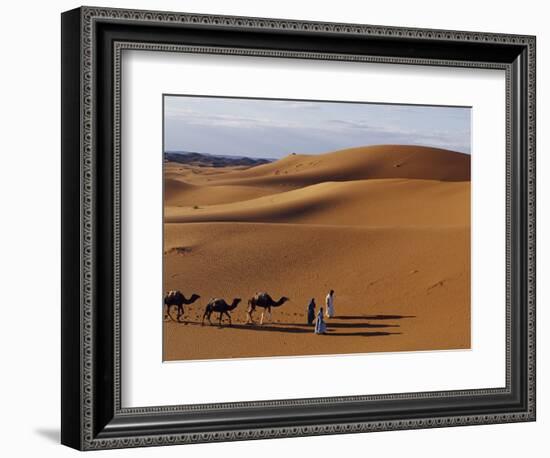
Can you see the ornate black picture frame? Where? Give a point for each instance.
(92, 42)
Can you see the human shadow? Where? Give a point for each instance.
(333, 324)
(362, 334)
(333, 329)
(373, 317)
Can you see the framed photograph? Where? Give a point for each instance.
(276, 228)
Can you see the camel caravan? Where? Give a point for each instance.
(260, 300)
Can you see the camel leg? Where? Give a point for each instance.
(269, 314)
(168, 313)
(180, 313)
(228, 316)
(249, 311)
(249, 318)
(203, 317)
(262, 318)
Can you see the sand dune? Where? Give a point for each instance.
(388, 202)
(196, 175)
(384, 161)
(387, 227)
(214, 186)
(182, 194)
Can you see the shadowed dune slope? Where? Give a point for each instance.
(182, 194)
(197, 186)
(174, 188)
(388, 202)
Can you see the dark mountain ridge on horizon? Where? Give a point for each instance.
(213, 160)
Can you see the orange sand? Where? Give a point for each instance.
(386, 227)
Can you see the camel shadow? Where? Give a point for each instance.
(301, 328)
(272, 328)
(336, 328)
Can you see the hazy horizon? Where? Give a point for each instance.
(271, 129)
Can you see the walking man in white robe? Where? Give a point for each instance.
(330, 304)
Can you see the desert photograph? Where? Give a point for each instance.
(300, 228)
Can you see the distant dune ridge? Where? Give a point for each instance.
(387, 227)
(383, 161)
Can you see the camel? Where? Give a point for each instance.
(264, 301)
(219, 305)
(177, 298)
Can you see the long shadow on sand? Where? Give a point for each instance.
(266, 328)
(362, 334)
(331, 324)
(333, 328)
(373, 317)
(308, 330)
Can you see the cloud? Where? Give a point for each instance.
(191, 117)
(275, 128)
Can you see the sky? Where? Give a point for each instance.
(265, 128)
